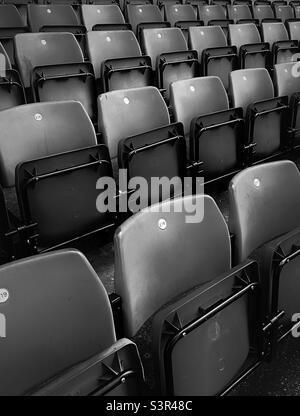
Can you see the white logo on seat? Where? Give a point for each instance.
(126, 100)
(176, 10)
(38, 117)
(43, 42)
(256, 183)
(192, 88)
(4, 295)
(98, 11)
(162, 224)
(159, 35)
(108, 39)
(141, 10)
(244, 78)
(49, 11)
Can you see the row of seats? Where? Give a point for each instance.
(52, 141)
(210, 319)
(52, 65)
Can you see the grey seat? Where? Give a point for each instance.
(284, 12)
(215, 15)
(213, 132)
(282, 48)
(142, 16)
(117, 60)
(182, 16)
(52, 68)
(266, 224)
(240, 13)
(287, 82)
(41, 129)
(252, 52)
(215, 56)
(103, 16)
(263, 12)
(158, 271)
(11, 23)
(51, 341)
(252, 89)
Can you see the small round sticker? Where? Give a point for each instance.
(38, 117)
(162, 224)
(4, 295)
(98, 11)
(49, 11)
(43, 42)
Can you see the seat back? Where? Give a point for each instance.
(143, 13)
(205, 37)
(51, 15)
(239, 12)
(103, 45)
(285, 81)
(297, 11)
(101, 14)
(38, 49)
(125, 113)
(262, 11)
(162, 40)
(284, 12)
(179, 13)
(152, 271)
(248, 86)
(264, 203)
(294, 29)
(212, 12)
(10, 17)
(45, 338)
(41, 129)
(242, 34)
(274, 32)
(194, 97)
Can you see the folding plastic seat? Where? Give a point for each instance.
(284, 13)
(103, 17)
(136, 128)
(11, 88)
(170, 56)
(265, 220)
(117, 60)
(142, 16)
(54, 18)
(199, 344)
(214, 133)
(252, 89)
(282, 48)
(87, 353)
(11, 23)
(52, 65)
(214, 14)
(215, 56)
(222, 3)
(263, 13)
(252, 52)
(294, 30)
(181, 15)
(240, 14)
(287, 82)
(297, 11)
(242, 3)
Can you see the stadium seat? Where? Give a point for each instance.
(142, 16)
(284, 13)
(54, 18)
(117, 60)
(240, 14)
(127, 113)
(297, 11)
(264, 217)
(282, 48)
(287, 82)
(21, 5)
(263, 13)
(52, 68)
(252, 89)
(182, 16)
(196, 334)
(102, 17)
(170, 56)
(294, 30)
(252, 52)
(214, 15)
(215, 56)
(11, 88)
(11, 23)
(37, 130)
(63, 335)
(213, 132)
